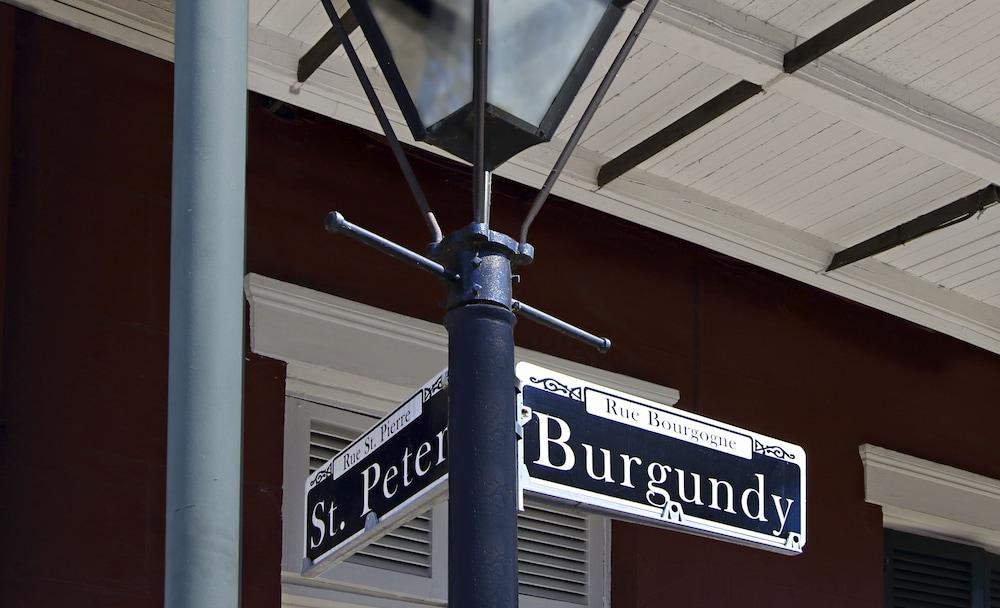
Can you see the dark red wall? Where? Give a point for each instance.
(7, 16)
(84, 355)
(82, 424)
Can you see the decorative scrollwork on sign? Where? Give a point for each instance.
(554, 386)
(428, 392)
(320, 476)
(772, 450)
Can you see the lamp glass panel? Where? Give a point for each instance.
(431, 44)
(533, 46)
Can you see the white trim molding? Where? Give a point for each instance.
(932, 499)
(332, 343)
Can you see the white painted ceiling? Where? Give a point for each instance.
(896, 122)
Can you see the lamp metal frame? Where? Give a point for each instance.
(508, 134)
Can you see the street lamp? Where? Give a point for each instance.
(539, 54)
(482, 81)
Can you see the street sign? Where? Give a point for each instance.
(385, 477)
(633, 459)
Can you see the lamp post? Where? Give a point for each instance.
(482, 81)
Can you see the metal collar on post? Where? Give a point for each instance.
(483, 258)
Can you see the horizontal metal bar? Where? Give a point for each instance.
(336, 223)
(674, 132)
(952, 213)
(542, 318)
(840, 32)
(324, 48)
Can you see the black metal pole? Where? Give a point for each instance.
(482, 524)
(482, 469)
(482, 446)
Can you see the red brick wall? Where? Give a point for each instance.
(82, 447)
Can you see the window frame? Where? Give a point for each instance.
(932, 499)
(931, 506)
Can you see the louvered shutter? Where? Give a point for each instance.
(993, 589)
(552, 554)
(928, 573)
(406, 549)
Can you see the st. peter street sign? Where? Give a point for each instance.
(385, 477)
(633, 459)
(598, 449)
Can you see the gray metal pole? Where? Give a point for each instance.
(204, 422)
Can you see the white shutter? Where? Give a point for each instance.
(406, 549)
(553, 554)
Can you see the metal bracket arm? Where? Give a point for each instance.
(542, 318)
(336, 223)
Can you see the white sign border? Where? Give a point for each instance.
(434, 493)
(532, 375)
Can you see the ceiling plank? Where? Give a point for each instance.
(810, 50)
(754, 50)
